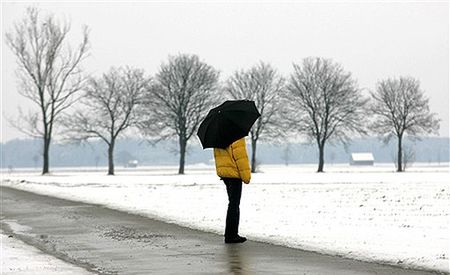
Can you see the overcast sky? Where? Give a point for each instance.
(371, 40)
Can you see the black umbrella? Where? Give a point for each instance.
(227, 123)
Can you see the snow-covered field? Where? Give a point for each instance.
(367, 213)
(19, 258)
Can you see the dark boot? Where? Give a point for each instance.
(237, 239)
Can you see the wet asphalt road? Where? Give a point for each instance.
(106, 241)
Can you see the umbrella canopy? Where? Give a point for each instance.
(227, 123)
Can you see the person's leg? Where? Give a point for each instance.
(234, 190)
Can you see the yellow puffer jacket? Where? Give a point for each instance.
(232, 162)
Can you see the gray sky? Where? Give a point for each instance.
(371, 40)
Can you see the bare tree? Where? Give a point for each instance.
(184, 92)
(264, 85)
(109, 109)
(324, 103)
(400, 108)
(35, 160)
(49, 73)
(409, 156)
(286, 154)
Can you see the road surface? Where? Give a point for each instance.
(107, 241)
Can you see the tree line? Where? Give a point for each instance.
(319, 100)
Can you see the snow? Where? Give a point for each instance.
(366, 213)
(19, 258)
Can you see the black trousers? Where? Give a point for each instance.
(234, 190)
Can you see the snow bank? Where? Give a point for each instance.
(19, 258)
(368, 213)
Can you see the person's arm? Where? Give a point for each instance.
(240, 156)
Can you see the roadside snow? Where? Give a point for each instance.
(19, 258)
(367, 213)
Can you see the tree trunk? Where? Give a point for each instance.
(321, 158)
(45, 154)
(399, 155)
(254, 155)
(111, 158)
(183, 143)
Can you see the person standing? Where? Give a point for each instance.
(233, 167)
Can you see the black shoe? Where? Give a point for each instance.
(237, 239)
